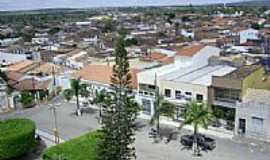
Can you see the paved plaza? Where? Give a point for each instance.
(71, 126)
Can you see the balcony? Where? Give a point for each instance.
(225, 102)
(180, 99)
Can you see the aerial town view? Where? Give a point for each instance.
(134, 79)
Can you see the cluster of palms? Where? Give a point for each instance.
(197, 114)
(77, 89)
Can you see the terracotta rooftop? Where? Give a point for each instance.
(190, 51)
(14, 76)
(20, 65)
(167, 60)
(103, 74)
(156, 56)
(29, 84)
(162, 58)
(28, 66)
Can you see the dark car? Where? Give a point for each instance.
(205, 143)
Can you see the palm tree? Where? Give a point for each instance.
(162, 107)
(68, 94)
(100, 97)
(84, 92)
(75, 86)
(198, 115)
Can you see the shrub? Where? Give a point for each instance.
(68, 94)
(81, 148)
(17, 136)
(27, 99)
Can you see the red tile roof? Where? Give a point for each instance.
(190, 51)
(103, 74)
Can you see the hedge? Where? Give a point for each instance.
(17, 136)
(81, 148)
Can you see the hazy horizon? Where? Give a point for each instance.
(14, 5)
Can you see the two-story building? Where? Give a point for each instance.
(188, 62)
(253, 115)
(228, 90)
(3, 95)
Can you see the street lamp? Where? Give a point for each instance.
(55, 128)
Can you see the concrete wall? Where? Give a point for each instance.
(248, 34)
(247, 111)
(222, 82)
(184, 87)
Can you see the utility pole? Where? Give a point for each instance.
(54, 81)
(55, 128)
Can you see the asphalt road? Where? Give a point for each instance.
(71, 126)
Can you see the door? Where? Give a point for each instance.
(242, 126)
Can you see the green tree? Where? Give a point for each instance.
(54, 30)
(131, 42)
(27, 99)
(198, 115)
(120, 112)
(100, 101)
(109, 25)
(162, 107)
(68, 94)
(84, 92)
(75, 86)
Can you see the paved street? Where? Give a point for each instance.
(71, 126)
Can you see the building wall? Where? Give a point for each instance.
(248, 111)
(184, 87)
(248, 34)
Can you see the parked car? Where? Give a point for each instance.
(205, 143)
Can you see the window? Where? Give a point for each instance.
(199, 97)
(151, 87)
(146, 104)
(167, 92)
(227, 95)
(257, 124)
(188, 96)
(177, 94)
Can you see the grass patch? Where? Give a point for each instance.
(81, 148)
(17, 136)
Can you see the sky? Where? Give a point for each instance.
(9, 5)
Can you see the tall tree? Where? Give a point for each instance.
(68, 94)
(100, 101)
(120, 112)
(162, 107)
(75, 86)
(198, 115)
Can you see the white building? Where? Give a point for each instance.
(190, 63)
(8, 41)
(3, 95)
(40, 40)
(75, 59)
(188, 33)
(9, 58)
(252, 118)
(249, 34)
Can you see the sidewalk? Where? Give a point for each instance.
(48, 138)
(210, 131)
(218, 132)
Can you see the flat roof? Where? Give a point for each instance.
(200, 76)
